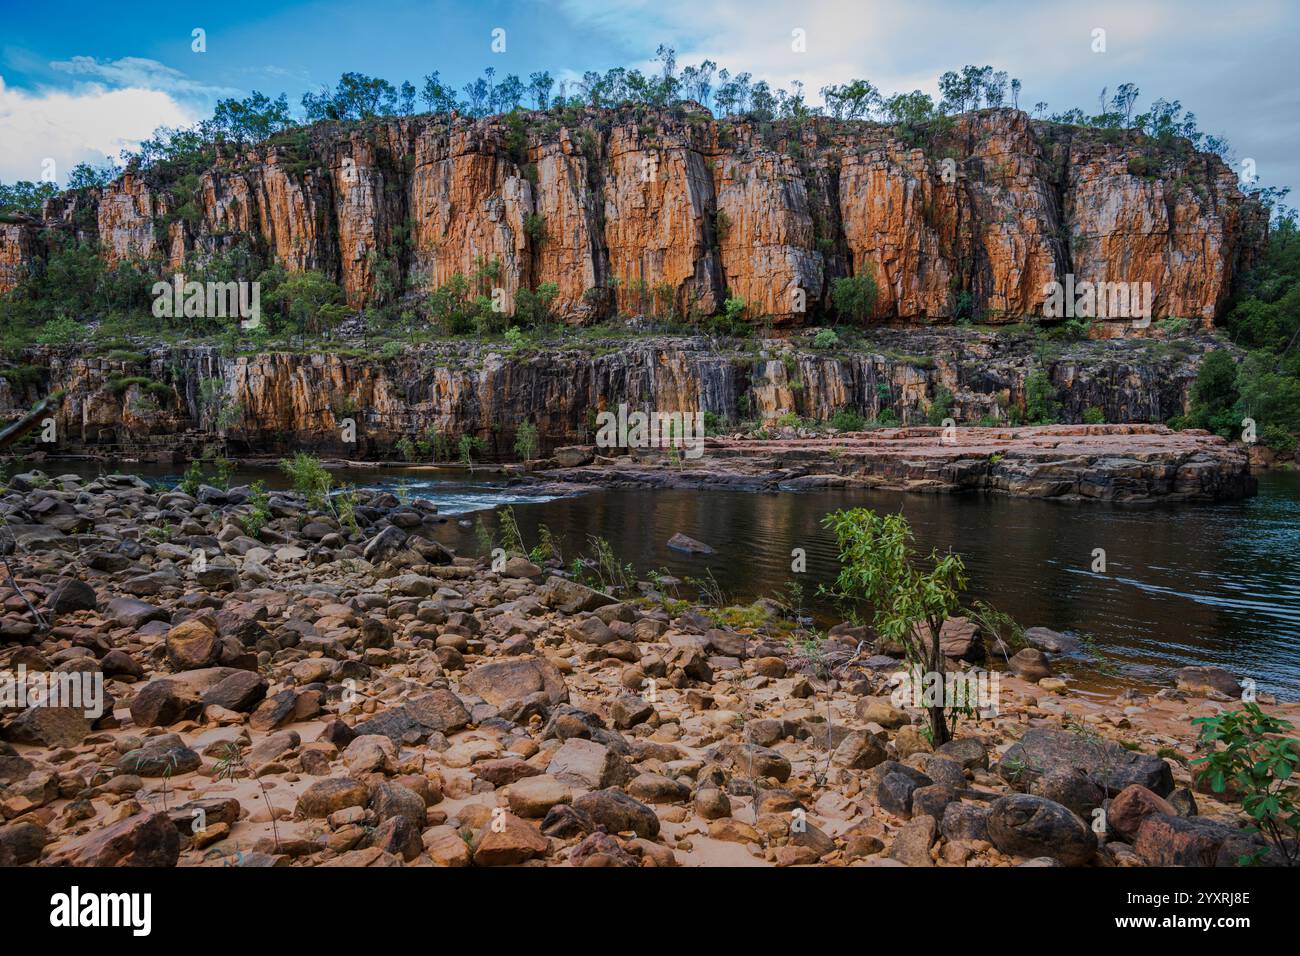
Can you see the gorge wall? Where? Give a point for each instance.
(157, 404)
(610, 205)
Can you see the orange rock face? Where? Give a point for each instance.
(18, 247)
(668, 213)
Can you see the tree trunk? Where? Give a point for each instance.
(938, 725)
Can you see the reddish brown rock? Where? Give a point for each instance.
(1132, 806)
(507, 841)
(146, 839)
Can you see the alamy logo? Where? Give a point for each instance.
(625, 429)
(208, 300)
(74, 909)
(75, 690)
(1098, 300)
(974, 692)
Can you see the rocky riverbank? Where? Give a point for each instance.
(327, 693)
(1119, 463)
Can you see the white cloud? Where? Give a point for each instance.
(82, 125)
(138, 72)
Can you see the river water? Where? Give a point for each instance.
(1199, 584)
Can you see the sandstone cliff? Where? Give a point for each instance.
(630, 209)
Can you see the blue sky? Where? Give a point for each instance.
(81, 80)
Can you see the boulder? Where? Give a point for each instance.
(1030, 664)
(330, 795)
(1053, 642)
(502, 682)
(1129, 810)
(570, 597)
(1024, 825)
(163, 756)
(574, 456)
(49, 727)
(194, 643)
(588, 764)
(23, 840)
(240, 692)
(72, 594)
(617, 812)
(859, 751)
(438, 711)
(1164, 840)
(146, 839)
(1107, 764)
(507, 841)
(1070, 788)
(129, 612)
(163, 702)
(535, 796)
(965, 821)
(912, 843)
(688, 545)
(1208, 682)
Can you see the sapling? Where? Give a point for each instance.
(230, 765)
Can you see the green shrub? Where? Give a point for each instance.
(1214, 396)
(1094, 416)
(826, 339)
(260, 514)
(1040, 399)
(854, 297)
(310, 478)
(469, 446)
(847, 420)
(63, 330)
(192, 478)
(1248, 750)
(1144, 166)
(526, 443)
(1278, 439)
(941, 407)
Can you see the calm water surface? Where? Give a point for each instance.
(1183, 585)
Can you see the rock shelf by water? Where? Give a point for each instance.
(1118, 463)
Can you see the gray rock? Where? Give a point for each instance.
(1053, 642)
(1107, 764)
(965, 821)
(912, 843)
(688, 545)
(439, 711)
(570, 597)
(72, 594)
(1024, 825)
(165, 756)
(617, 812)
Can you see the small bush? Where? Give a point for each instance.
(826, 339)
(469, 446)
(847, 420)
(1258, 760)
(526, 443)
(309, 477)
(941, 407)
